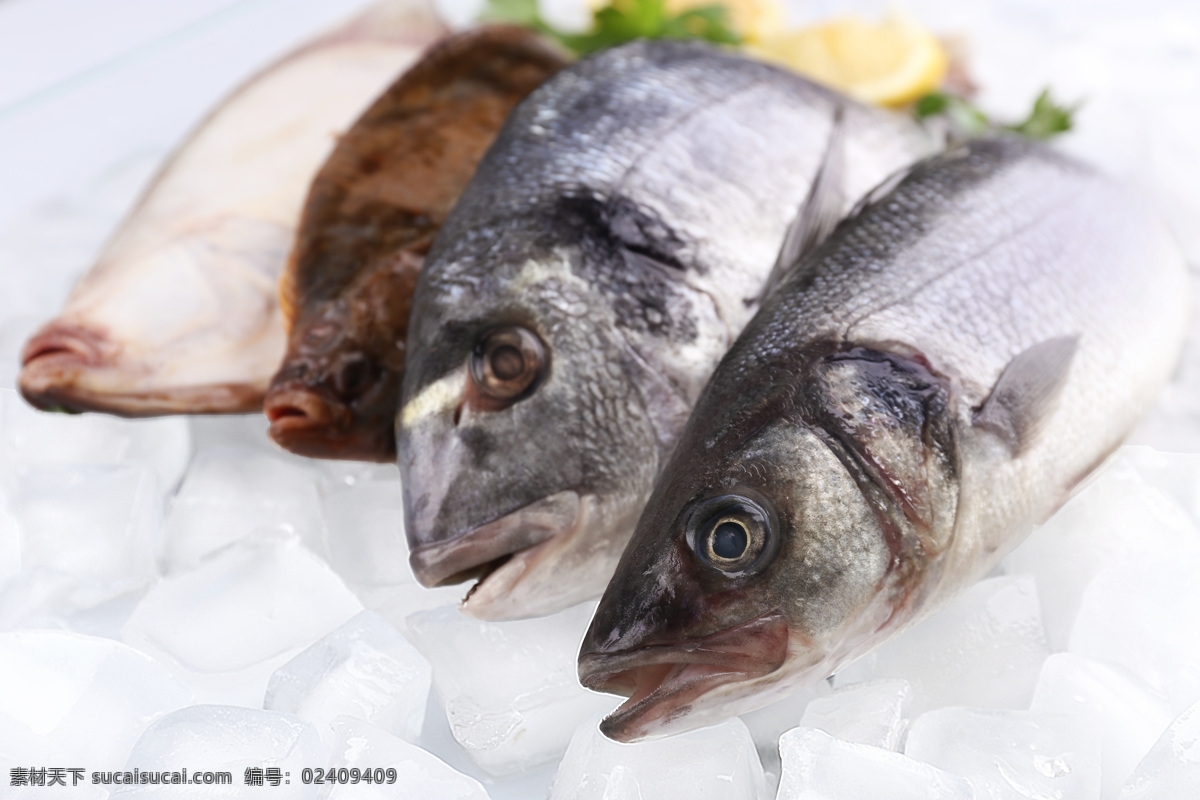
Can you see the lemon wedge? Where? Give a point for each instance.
(889, 63)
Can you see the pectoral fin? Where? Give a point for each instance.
(1027, 392)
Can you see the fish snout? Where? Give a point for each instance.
(479, 552)
(301, 414)
(661, 679)
(54, 357)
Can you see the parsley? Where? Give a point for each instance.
(1046, 119)
(623, 21)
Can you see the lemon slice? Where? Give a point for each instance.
(890, 63)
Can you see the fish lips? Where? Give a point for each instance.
(663, 681)
(486, 549)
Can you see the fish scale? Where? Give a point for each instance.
(916, 393)
(626, 218)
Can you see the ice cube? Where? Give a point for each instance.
(366, 670)
(985, 649)
(91, 530)
(767, 724)
(1142, 616)
(874, 713)
(229, 493)
(1172, 767)
(229, 623)
(1129, 718)
(720, 763)
(70, 699)
(364, 521)
(416, 773)
(31, 438)
(231, 744)
(816, 766)
(1011, 755)
(1118, 516)
(510, 689)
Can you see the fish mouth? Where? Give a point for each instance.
(500, 551)
(62, 348)
(663, 681)
(310, 423)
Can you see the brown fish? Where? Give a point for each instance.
(179, 313)
(371, 215)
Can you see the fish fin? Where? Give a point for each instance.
(821, 210)
(1027, 391)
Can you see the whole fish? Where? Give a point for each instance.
(179, 313)
(934, 379)
(371, 214)
(613, 242)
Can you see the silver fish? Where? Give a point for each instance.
(612, 244)
(933, 380)
(180, 315)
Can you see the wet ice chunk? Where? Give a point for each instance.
(767, 724)
(1172, 767)
(231, 492)
(1129, 718)
(92, 530)
(253, 604)
(366, 670)
(419, 773)
(32, 438)
(510, 689)
(816, 766)
(364, 521)
(985, 649)
(874, 713)
(1119, 516)
(1142, 616)
(720, 763)
(226, 739)
(1011, 755)
(66, 697)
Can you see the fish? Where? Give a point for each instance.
(371, 214)
(179, 313)
(920, 389)
(612, 243)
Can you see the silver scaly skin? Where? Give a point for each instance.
(930, 382)
(612, 244)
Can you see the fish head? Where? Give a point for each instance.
(336, 392)
(525, 448)
(169, 321)
(767, 558)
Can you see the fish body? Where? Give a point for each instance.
(929, 383)
(372, 212)
(612, 243)
(179, 313)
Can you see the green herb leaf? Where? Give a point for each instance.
(1046, 119)
(967, 121)
(623, 21)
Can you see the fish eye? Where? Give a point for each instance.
(733, 534)
(507, 362)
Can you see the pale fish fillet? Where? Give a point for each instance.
(180, 313)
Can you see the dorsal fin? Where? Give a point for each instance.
(1026, 392)
(822, 207)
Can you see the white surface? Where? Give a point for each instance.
(93, 93)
